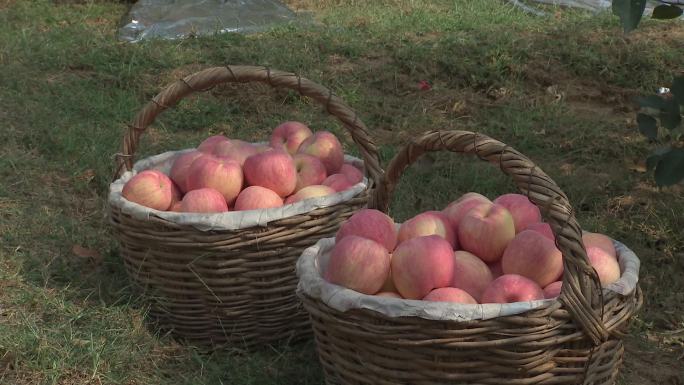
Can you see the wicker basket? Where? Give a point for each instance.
(231, 287)
(573, 340)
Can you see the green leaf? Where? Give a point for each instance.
(651, 101)
(648, 126)
(670, 168)
(630, 12)
(666, 11)
(677, 89)
(670, 116)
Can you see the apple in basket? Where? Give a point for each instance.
(457, 209)
(523, 211)
(208, 144)
(485, 231)
(450, 294)
(339, 182)
(150, 188)
(289, 136)
(534, 256)
(470, 274)
(606, 265)
(257, 197)
(359, 264)
(372, 224)
(236, 150)
(599, 240)
(353, 174)
(324, 146)
(512, 288)
(223, 175)
(314, 191)
(274, 170)
(422, 264)
(428, 223)
(203, 200)
(310, 171)
(181, 167)
(553, 289)
(543, 229)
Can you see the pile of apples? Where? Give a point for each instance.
(229, 174)
(473, 251)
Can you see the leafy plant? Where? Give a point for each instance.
(631, 11)
(660, 120)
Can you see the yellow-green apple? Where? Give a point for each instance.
(553, 289)
(606, 266)
(314, 191)
(470, 274)
(428, 223)
(543, 229)
(203, 200)
(512, 288)
(523, 211)
(180, 168)
(310, 171)
(338, 182)
(274, 170)
(149, 188)
(599, 240)
(359, 264)
(324, 146)
(422, 264)
(257, 197)
(450, 294)
(534, 256)
(236, 150)
(208, 144)
(223, 175)
(389, 294)
(372, 224)
(289, 136)
(485, 230)
(457, 209)
(352, 173)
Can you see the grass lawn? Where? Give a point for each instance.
(558, 89)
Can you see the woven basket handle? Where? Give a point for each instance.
(581, 290)
(211, 77)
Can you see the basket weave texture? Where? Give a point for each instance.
(232, 288)
(576, 339)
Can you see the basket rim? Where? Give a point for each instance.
(231, 220)
(313, 285)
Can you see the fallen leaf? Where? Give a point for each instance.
(83, 252)
(423, 85)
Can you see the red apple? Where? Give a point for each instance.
(289, 136)
(543, 229)
(486, 230)
(450, 294)
(207, 146)
(359, 264)
(534, 256)
(553, 289)
(308, 192)
(257, 197)
(353, 174)
(389, 294)
(203, 200)
(310, 171)
(523, 211)
(512, 288)
(599, 240)
(428, 223)
(176, 207)
(470, 274)
(180, 168)
(372, 224)
(460, 207)
(324, 146)
(606, 265)
(149, 188)
(339, 182)
(223, 175)
(274, 170)
(422, 264)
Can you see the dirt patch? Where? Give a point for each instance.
(646, 364)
